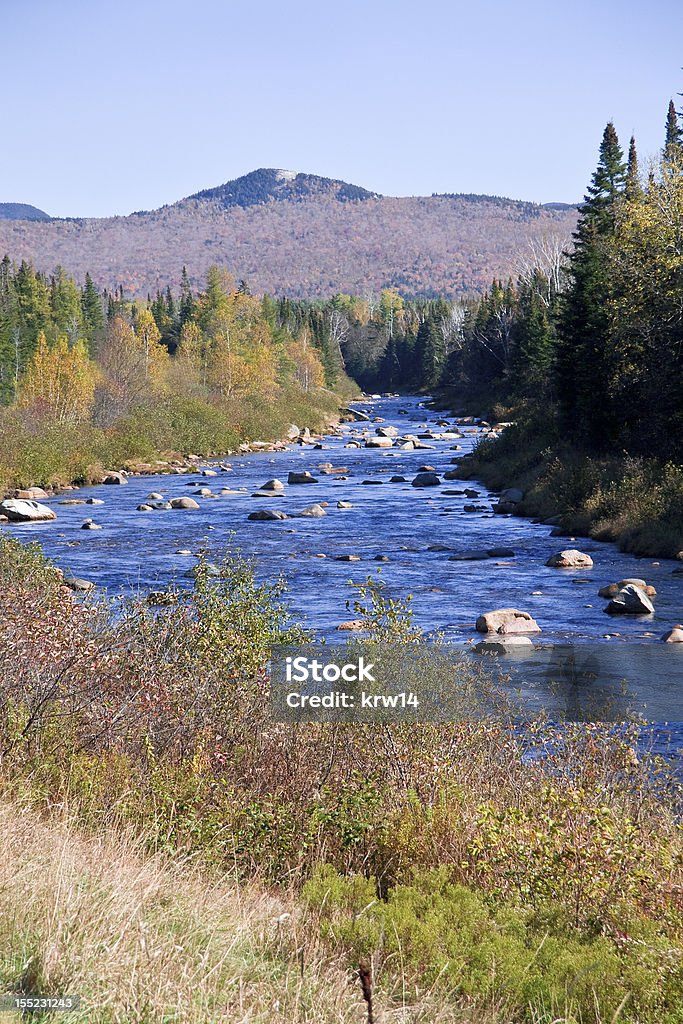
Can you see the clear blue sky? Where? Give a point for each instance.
(110, 107)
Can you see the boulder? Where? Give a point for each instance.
(94, 501)
(512, 494)
(352, 626)
(31, 493)
(630, 601)
(303, 477)
(90, 525)
(398, 480)
(155, 496)
(266, 515)
(344, 504)
(209, 472)
(504, 621)
(204, 492)
(73, 501)
(674, 635)
(505, 645)
(426, 480)
(347, 558)
(452, 474)
(386, 431)
(379, 442)
(145, 507)
(184, 502)
(427, 469)
(18, 510)
(115, 478)
(272, 485)
(501, 553)
(313, 512)
(570, 559)
(292, 432)
(76, 583)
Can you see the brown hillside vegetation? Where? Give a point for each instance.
(308, 247)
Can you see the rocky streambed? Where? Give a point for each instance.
(381, 496)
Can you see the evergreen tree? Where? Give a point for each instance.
(673, 144)
(91, 308)
(581, 372)
(633, 188)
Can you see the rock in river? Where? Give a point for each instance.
(674, 636)
(184, 503)
(570, 559)
(302, 478)
(115, 478)
(504, 621)
(630, 601)
(19, 510)
(426, 480)
(272, 485)
(266, 515)
(313, 512)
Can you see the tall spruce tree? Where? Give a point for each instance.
(673, 143)
(582, 383)
(633, 187)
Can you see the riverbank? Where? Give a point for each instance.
(157, 437)
(478, 883)
(637, 503)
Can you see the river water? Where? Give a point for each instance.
(417, 530)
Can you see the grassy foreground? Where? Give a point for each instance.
(157, 826)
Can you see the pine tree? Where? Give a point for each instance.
(582, 383)
(91, 306)
(633, 188)
(673, 144)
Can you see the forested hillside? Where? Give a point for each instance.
(90, 380)
(297, 235)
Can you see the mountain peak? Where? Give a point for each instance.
(275, 184)
(22, 211)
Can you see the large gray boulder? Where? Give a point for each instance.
(20, 510)
(303, 477)
(184, 503)
(313, 512)
(115, 478)
(504, 621)
(379, 442)
(265, 515)
(571, 558)
(630, 601)
(272, 485)
(426, 480)
(674, 635)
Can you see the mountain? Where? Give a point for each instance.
(298, 234)
(21, 211)
(272, 184)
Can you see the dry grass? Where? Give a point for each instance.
(145, 939)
